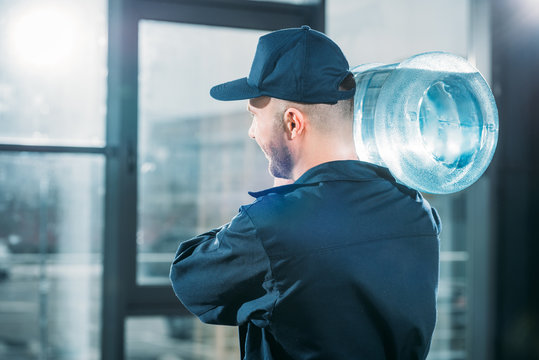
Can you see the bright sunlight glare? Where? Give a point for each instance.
(43, 37)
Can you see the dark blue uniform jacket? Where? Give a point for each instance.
(342, 264)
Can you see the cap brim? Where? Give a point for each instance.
(234, 90)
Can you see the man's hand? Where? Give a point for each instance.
(280, 181)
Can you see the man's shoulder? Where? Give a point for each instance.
(316, 188)
(361, 192)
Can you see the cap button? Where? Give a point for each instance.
(306, 27)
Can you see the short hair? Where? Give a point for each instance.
(325, 116)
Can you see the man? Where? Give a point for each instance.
(339, 261)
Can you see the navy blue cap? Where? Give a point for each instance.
(300, 64)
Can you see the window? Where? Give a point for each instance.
(196, 161)
(52, 165)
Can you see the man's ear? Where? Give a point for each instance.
(294, 122)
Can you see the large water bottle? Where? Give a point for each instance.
(431, 120)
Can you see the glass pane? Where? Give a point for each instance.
(53, 71)
(159, 337)
(51, 228)
(450, 335)
(390, 31)
(196, 161)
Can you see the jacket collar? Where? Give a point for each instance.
(340, 170)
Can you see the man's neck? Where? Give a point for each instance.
(322, 154)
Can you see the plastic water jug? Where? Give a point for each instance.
(431, 120)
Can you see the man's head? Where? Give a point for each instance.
(287, 131)
(300, 93)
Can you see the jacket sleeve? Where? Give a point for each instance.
(219, 275)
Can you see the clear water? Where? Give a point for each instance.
(432, 122)
(451, 123)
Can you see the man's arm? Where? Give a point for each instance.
(219, 276)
